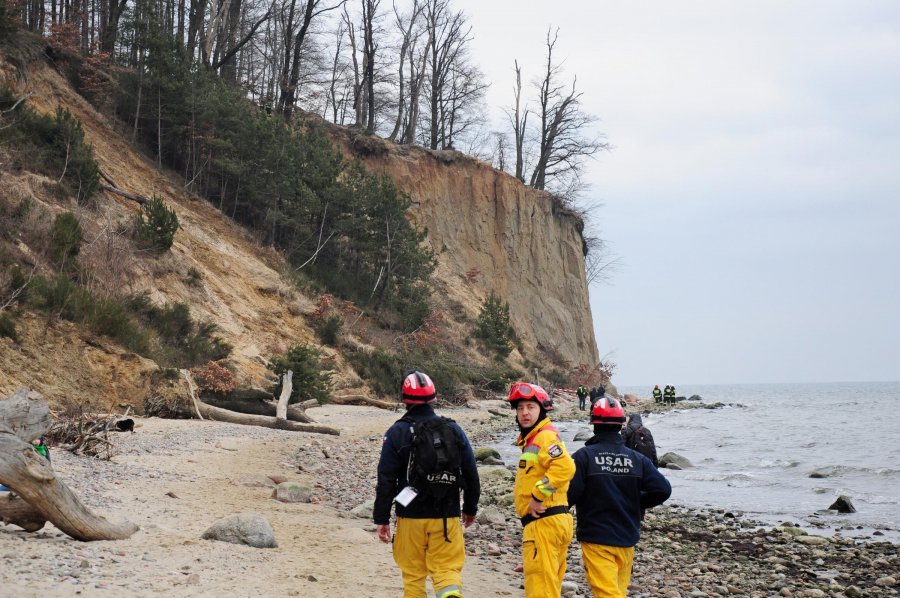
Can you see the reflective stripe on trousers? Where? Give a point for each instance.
(545, 543)
(421, 551)
(608, 569)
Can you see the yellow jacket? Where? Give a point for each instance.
(545, 468)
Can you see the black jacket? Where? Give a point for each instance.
(392, 473)
(612, 485)
(635, 423)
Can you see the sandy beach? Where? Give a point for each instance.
(174, 478)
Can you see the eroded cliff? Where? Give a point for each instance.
(518, 242)
(488, 231)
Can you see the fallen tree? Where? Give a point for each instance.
(23, 417)
(217, 414)
(255, 403)
(350, 399)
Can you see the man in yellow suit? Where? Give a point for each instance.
(542, 481)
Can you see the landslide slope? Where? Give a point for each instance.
(489, 233)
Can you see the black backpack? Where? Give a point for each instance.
(641, 440)
(435, 459)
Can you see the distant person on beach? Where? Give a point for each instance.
(669, 395)
(612, 486)
(542, 480)
(424, 479)
(657, 394)
(582, 396)
(639, 438)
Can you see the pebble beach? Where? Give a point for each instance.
(174, 478)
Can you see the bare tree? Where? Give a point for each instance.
(519, 121)
(407, 45)
(417, 72)
(337, 81)
(369, 13)
(563, 143)
(460, 102)
(295, 34)
(449, 35)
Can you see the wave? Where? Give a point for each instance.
(739, 479)
(780, 463)
(831, 471)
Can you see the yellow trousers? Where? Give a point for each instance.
(421, 551)
(545, 543)
(608, 569)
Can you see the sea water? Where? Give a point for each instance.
(756, 454)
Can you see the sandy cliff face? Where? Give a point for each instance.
(481, 222)
(523, 247)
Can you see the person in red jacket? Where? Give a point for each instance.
(612, 485)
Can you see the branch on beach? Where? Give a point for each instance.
(23, 417)
(350, 399)
(224, 415)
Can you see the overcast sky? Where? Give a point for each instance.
(753, 192)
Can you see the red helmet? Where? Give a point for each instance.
(418, 389)
(525, 391)
(607, 411)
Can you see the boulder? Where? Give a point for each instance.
(695, 398)
(364, 510)
(843, 504)
(583, 435)
(484, 452)
(292, 492)
(494, 473)
(490, 516)
(251, 529)
(491, 460)
(674, 459)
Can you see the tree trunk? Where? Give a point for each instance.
(14, 509)
(23, 417)
(217, 414)
(286, 387)
(348, 399)
(257, 406)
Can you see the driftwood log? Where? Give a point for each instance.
(14, 509)
(23, 417)
(348, 399)
(256, 407)
(287, 386)
(224, 415)
(258, 402)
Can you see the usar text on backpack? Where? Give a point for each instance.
(435, 458)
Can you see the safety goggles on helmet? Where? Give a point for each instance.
(525, 391)
(417, 389)
(607, 411)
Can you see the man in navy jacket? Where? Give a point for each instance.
(612, 485)
(428, 541)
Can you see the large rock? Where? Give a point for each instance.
(674, 459)
(843, 504)
(494, 473)
(492, 516)
(251, 529)
(583, 435)
(293, 492)
(484, 452)
(364, 510)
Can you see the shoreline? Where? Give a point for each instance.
(215, 469)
